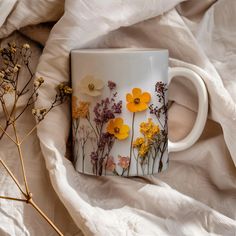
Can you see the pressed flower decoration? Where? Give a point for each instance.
(117, 128)
(103, 127)
(124, 162)
(79, 111)
(110, 165)
(137, 101)
(149, 129)
(146, 145)
(91, 86)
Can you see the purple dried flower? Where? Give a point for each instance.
(160, 88)
(117, 107)
(106, 110)
(106, 139)
(111, 85)
(94, 157)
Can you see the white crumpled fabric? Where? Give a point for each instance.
(196, 195)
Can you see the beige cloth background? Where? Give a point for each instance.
(196, 195)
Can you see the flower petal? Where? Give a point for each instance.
(121, 136)
(95, 93)
(124, 129)
(131, 107)
(145, 97)
(83, 89)
(118, 122)
(141, 106)
(89, 79)
(129, 97)
(98, 83)
(85, 80)
(136, 92)
(110, 127)
(92, 93)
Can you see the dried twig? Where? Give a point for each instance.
(14, 58)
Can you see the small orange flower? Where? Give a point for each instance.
(118, 129)
(137, 101)
(81, 111)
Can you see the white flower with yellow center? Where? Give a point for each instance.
(91, 86)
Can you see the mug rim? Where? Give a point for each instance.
(119, 50)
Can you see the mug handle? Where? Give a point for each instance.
(199, 125)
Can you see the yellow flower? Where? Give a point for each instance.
(144, 148)
(138, 142)
(81, 111)
(143, 144)
(91, 86)
(118, 129)
(137, 101)
(149, 129)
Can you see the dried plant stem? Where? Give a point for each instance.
(13, 198)
(28, 199)
(29, 133)
(13, 177)
(14, 58)
(4, 132)
(21, 158)
(28, 196)
(8, 118)
(33, 204)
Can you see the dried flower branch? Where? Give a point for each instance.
(13, 59)
(158, 112)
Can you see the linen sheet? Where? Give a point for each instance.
(196, 195)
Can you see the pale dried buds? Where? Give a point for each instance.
(39, 113)
(26, 46)
(16, 68)
(38, 82)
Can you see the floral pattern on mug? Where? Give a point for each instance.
(147, 145)
(103, 126)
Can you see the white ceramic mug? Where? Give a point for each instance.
(119, 111)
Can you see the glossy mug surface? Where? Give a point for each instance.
(119, 111)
